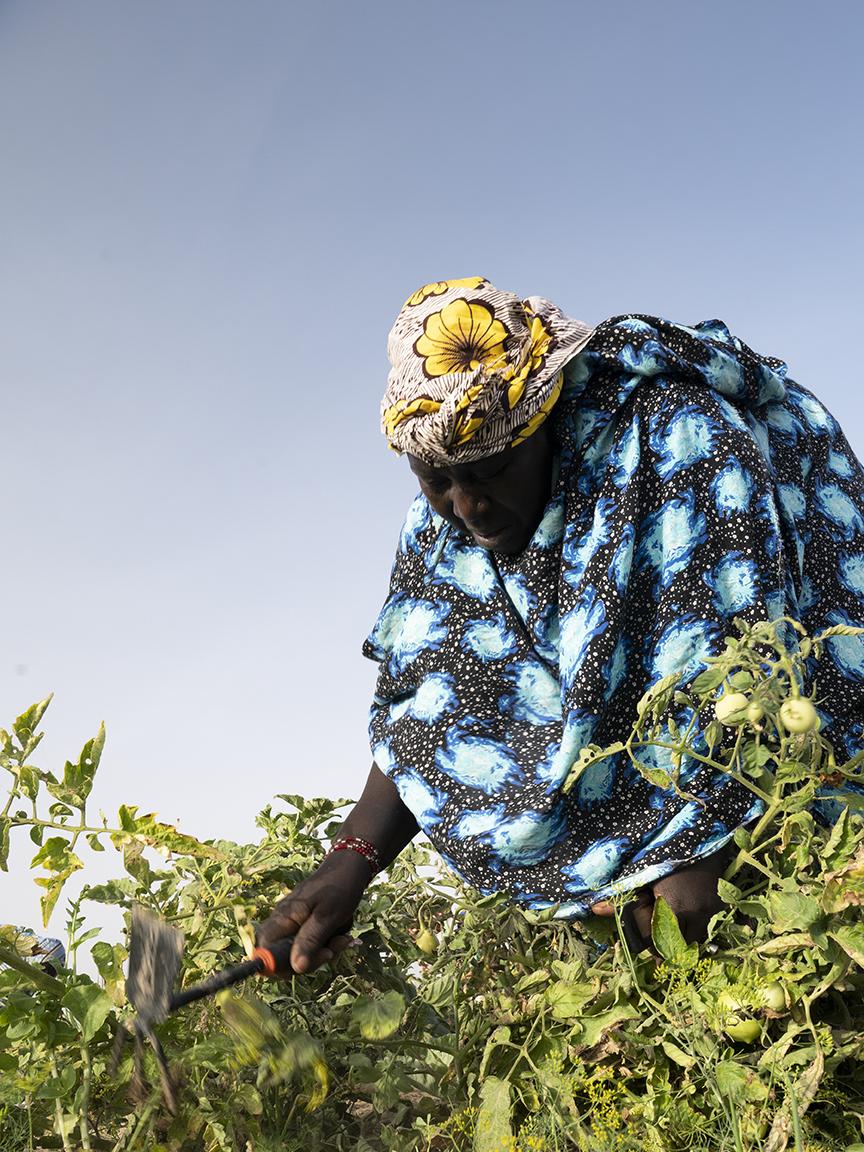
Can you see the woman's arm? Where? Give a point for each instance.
(318, 912)
(380, 817)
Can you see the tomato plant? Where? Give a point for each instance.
(461, 1023)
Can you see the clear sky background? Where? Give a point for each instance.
(210, 213)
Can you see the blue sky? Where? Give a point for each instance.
(210, 213)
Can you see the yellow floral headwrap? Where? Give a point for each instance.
(474, 370)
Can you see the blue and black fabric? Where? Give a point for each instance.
(695, 483)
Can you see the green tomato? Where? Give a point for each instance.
(773, 996)
(744, 1031)
(427, 942)
(755, 713)
(799, 715)
(728, 705)
(736, 1020)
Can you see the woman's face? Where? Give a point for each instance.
(499, 500)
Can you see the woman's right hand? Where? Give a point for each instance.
(319, 911)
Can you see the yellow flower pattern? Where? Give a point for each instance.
(462, 337)
(531, 426)
(439, 287)
(538, 346)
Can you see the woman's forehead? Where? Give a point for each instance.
(484, 463)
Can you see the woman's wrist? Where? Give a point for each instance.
(351, 867)
(360, 845)
(381, 818)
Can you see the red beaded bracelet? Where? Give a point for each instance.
(357, 844)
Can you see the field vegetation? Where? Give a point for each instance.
(461, 1023)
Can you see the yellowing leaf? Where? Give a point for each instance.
(677, 1055)
(493, 1132)
(850, 937)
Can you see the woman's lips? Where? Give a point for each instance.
(486, 539)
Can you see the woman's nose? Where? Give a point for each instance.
(469, 504)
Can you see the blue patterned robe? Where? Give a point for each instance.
(695, 483)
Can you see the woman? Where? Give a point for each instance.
(595, 508)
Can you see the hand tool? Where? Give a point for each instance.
(155, 952)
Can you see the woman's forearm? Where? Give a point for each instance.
(380, 817)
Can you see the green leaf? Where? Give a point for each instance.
(108, 959)
(378, 1017)
(437, 990)
(658, 695)
(57, 858)
(667, 937)
(28, 781)
(56, 1087)
(594, 1028)
(249, 1099)
(850, 937)
(742, 838)
(27, 723)
(841, 842)
(728, 893)
(792, 912)
(493, 1130)
(532, 979)
(500, 1038)
(754, 756)
(567, 999)
(783, 945)
(88, 1006)
(55, 855)
(151, 833)
(78, 777)
(713, 734)
(659, 777)
(731, 1079)
(709, 679)
(677, 1055)
(738, 1082)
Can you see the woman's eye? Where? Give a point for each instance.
(492, 473)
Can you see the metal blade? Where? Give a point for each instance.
(155, 951)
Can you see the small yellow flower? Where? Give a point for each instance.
(460, 338)
(439, 287)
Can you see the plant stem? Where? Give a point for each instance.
(32, 971)
(84, 1125)
(58, 1111)
(796, 1119)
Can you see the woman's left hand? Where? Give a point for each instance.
(691, 893)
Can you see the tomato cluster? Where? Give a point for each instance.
(797, 713)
